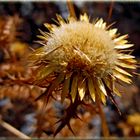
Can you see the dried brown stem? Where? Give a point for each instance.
(71, 9)
(110, 10)
(104, 123)
(105, 130)
(13, 130)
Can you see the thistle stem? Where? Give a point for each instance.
(105, 129)
(104, 123)
(13, 130)
(71, 9)
(110, 10)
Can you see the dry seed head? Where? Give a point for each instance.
(85, 58)
(83, 47)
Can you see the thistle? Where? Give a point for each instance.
(82, 60)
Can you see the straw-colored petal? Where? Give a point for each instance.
(125, 65)
(125, 56)
(130, 61)
(101, 95)
(125, 46)
(84, 17)
(103, 98)
(99, 23)
(101, 86)
(82, 89)
(50, 27)
(60, 19)
(120, 38)
(45, 34)
(122, 71)
(122, 77)
(112, 32)
(70, 19)
(74, 87)
(116, 91)
(42, 37)
(122, 42)
(103, 26)
(91, 88)
(109, 83)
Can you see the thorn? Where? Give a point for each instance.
(60, 127)
(71, 129)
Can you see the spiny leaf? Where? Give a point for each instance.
(71, 112)
(41, 52)
(40, 96)
(36, 54)
(46, 96)
(71, 129)
(45, 72)
(56, 82)
(60, 127)
(51, 87)
(111, 97)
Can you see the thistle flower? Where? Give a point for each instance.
(84, 59)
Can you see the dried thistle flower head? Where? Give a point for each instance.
(83, 60)
(86, 58)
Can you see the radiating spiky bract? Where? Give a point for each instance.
(84, 59)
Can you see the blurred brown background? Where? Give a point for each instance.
(22, 115)
(126, 15)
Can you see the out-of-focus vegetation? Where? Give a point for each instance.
(19, 24)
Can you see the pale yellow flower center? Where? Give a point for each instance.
(83, 47)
